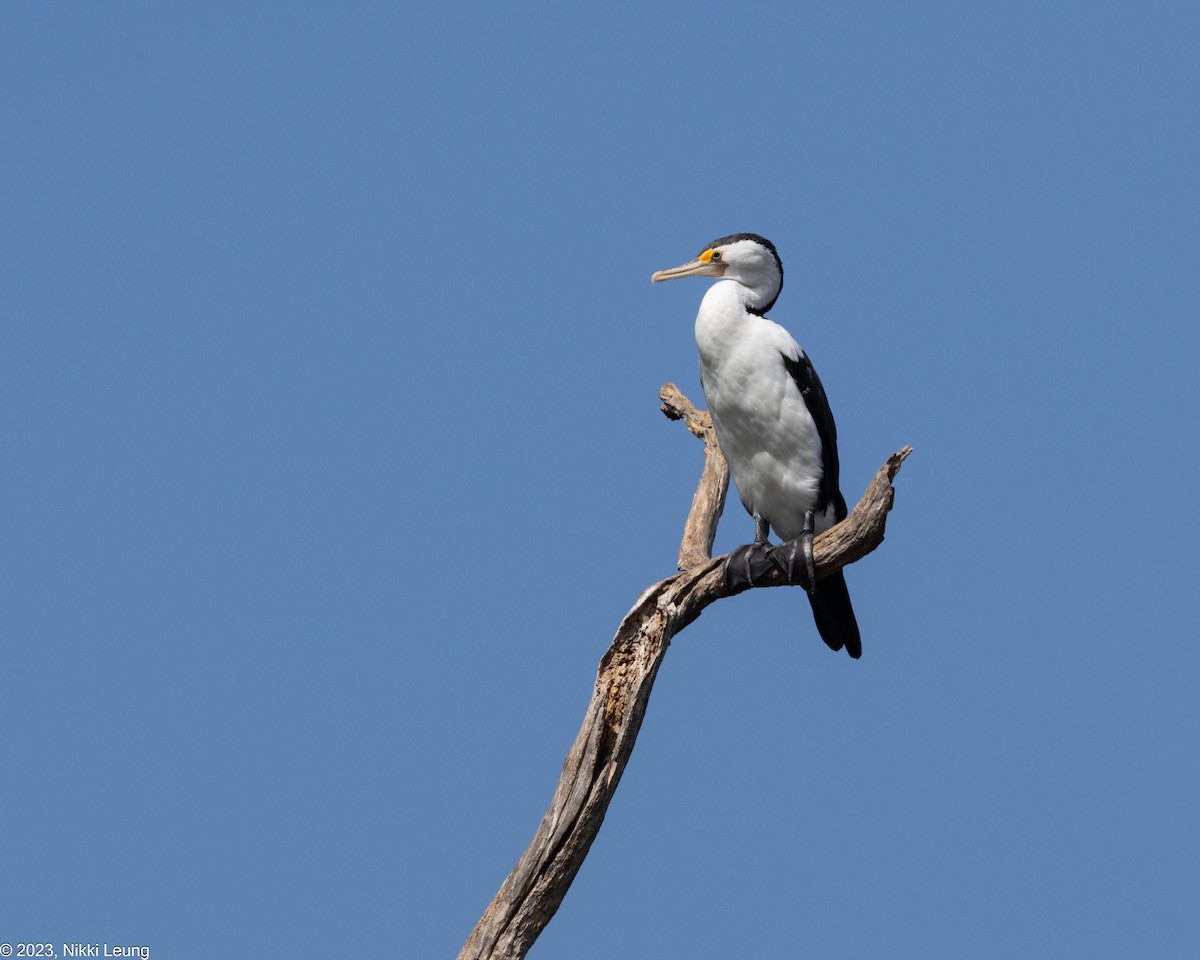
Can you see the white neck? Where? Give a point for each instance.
(723, 317)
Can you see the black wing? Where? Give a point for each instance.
(809, 384)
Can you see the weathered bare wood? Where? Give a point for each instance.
(535, 888)
(709, 500)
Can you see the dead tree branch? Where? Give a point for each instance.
(533, 891)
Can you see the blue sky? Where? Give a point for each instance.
(329, 367)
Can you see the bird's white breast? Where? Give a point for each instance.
(761, 420)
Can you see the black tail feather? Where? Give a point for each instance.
(835, 616)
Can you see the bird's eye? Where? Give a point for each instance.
(716, 255)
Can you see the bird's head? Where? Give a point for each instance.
(746, 258)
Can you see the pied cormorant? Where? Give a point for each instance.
(773, 423)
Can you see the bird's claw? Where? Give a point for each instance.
(787, 558)
(810, 564)
(806, 548)
(747, 565)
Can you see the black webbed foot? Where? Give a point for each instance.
(747, 565)
(810, 565)
(794, 558)
(794, 563)
(806, 547)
